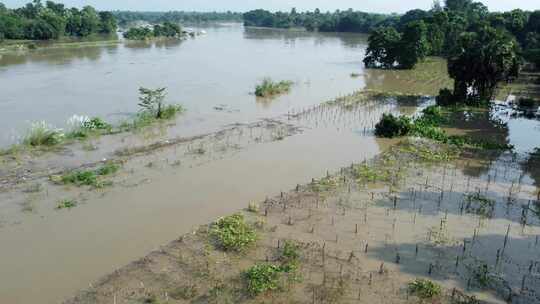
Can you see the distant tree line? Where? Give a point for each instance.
(482, 48)
(167, 29)
(38, 21)
(338, 21)
(126, 17)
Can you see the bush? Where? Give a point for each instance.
(446, 98)
(270, 88)
(424, 289)
(526, 102)
(89, 177)
(263, 278)
(43, 134)
(392, 126)
(233, 233)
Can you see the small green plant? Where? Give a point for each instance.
(481, 275)
(355, 75)
(233, 233)
(392, 126)
(87, 177)
(42, 134)
(263, 278)
(152, 100)
(290, 257)
(66, 204)
(270, 88)
(424, 289)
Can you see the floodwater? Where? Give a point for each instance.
(47, 254)
(220, 68)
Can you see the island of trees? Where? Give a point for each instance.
(167, 29)
(126, 17)
(39, 21)
(482, 48)
(338, 21)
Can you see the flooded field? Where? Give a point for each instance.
(364, 231)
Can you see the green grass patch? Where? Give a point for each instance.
(425, 289)
(88, 177)
(233, 233)
(268, 88)
(66, 204)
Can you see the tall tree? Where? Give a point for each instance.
(487, 57)
(383, 48)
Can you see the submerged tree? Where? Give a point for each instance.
(152, 100)
(383, 49)
(486, 57)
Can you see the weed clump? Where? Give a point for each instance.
(233, 233)
(479, 204)
(270, 88)
(66, 204)
(263, 278)
(87, 177)
(42, 134)
(425, 289)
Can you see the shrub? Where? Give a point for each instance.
(270, 88)
(424, 289)
(262, 278)
(526, 102)
(392, 126)
(446, 98)
(233, 233)
(43, 134)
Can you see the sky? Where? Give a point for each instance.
(381, 6)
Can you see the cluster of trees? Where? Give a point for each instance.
(482, 48)
(38, 21)
(127, 17)
(338, 21)
(167, 29)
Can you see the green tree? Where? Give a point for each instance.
(107, 23)
(414, 45)
(89, 21)
(487, 57)
(382, 48)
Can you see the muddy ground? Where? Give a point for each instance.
(365, 232)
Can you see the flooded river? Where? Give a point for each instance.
(220, 68)
(48, 254)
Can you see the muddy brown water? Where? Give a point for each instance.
(219, 69)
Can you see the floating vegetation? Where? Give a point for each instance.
(324, 184)
(425, 289)
(233, 233)
(66, 204)
(269, 88)
(364, 173)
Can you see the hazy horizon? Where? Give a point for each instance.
(381, 6)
